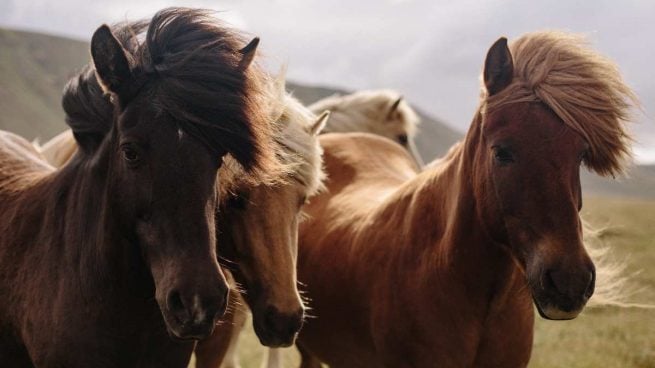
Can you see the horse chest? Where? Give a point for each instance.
(507, 336)
(411, 337)
(425, 344)
(424, 328)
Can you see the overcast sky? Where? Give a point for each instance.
(431, 51)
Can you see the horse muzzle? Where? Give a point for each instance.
(563, 295)
(276, 329)
(192, 317)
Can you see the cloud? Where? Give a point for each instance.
(432, 51)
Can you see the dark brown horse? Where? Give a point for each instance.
(92, 256)
(256, 223)
(441, 268)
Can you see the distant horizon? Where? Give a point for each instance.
(422, 48)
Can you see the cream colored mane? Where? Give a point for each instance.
(368, 111)
(298, 149)
(581, 86)
(59, 149)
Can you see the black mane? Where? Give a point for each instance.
(192, 65)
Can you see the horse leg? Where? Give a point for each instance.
(220, 349)
(274, 358)
(307, 360)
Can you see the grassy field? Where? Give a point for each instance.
(602, 337)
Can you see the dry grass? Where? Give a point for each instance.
(610, 337)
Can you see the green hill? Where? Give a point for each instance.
(34, 68)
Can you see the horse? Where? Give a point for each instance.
(256, 225)
(443, 267)
(96, 255)
(382, 112)
(258, 234)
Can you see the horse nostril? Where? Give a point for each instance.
(570, 284)
(549, 281)
(285, 324)
(270, 318)
(177, 307)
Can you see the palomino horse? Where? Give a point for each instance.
(407, 269)
(93, 255)
(258, 234)
(257, 224)
(382, 112)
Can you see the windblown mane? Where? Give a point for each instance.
(364, 111)
(300, 156)
(302, 151)
(87, 108)
(587, 92)
(194, 64)
(582, 87)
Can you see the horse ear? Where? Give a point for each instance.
(320, 122)
(498, 67)
(394, 107)
(248, 53)
(110, 60)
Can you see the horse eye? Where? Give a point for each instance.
(503, 155)
(238, 201)
(302, 201)
(402, 138)
(130, 154)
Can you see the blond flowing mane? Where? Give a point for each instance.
(587, 92)
(59, 149)
(614, 283)
(302, 152)
(582, 87)
(297, 150)
(366, 111)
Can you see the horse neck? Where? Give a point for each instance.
(441, 235)
(78, 208)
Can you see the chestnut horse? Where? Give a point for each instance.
(95, 258)
(382, 112)
(258, 235)
(407, 269)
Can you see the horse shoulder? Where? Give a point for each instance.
(367, 157)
